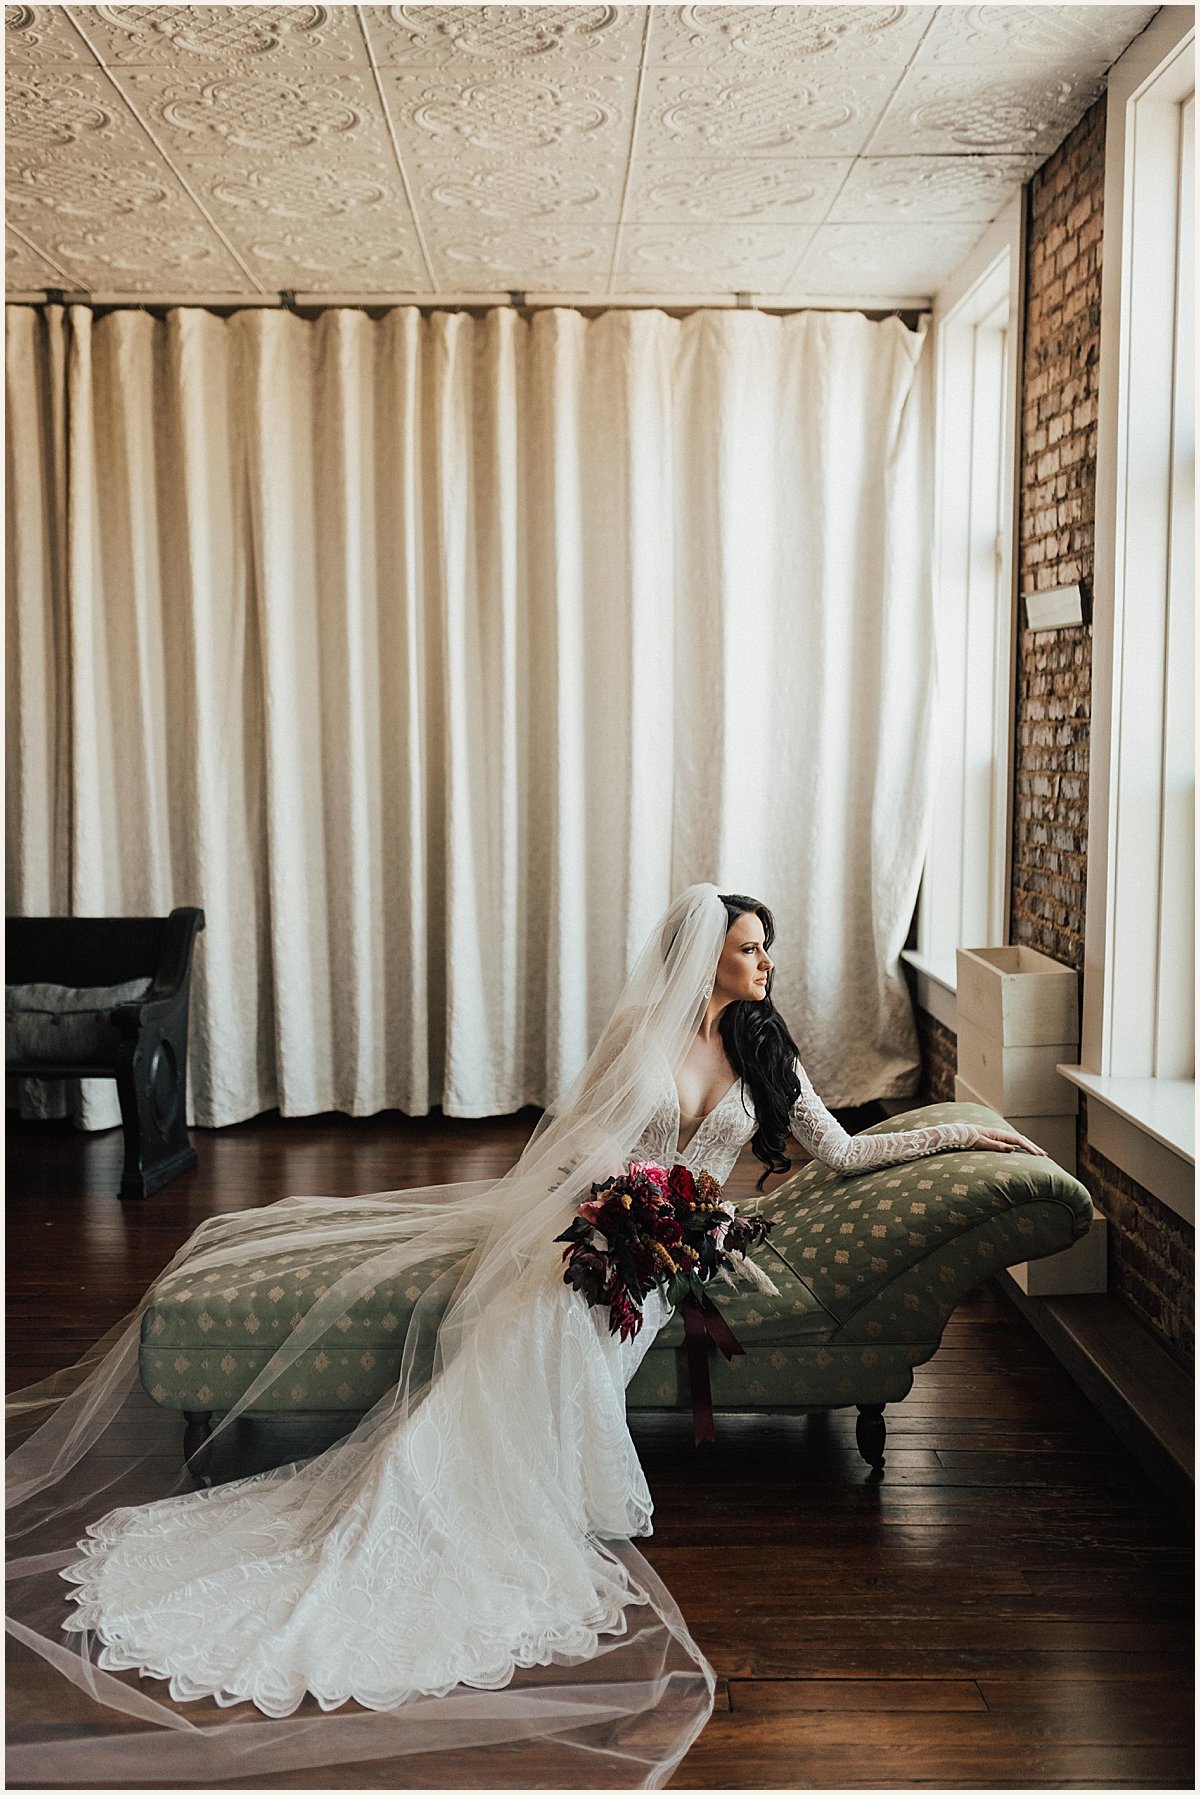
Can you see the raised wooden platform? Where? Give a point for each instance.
(1145, 1397)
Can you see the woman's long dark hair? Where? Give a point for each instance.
(762, 1051)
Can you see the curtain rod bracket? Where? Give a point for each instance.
(744, 301)
(287, 299)
(516, 296)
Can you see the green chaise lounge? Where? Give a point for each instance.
(868, 1268)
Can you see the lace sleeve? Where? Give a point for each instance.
(822, 1135)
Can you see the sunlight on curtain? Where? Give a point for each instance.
(432, 655)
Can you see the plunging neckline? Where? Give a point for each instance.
(705, 1118)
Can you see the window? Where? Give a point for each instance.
(1137, 1056)
(1173, 1048)
(963, 899)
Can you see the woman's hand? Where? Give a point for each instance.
(999, 1140)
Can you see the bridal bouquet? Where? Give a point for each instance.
(654, 1228)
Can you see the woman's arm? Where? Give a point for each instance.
(822, 1135)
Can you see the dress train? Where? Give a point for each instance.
(453, 1545)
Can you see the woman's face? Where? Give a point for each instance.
(744, 963)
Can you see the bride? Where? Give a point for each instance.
(457, 1571)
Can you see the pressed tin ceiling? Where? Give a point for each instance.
(836, 154)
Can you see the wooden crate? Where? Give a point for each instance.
(1018, 997)
(1018, 1081)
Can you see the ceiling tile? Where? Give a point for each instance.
(85, 184)
(142, 256)
(1076, 35)
(735, 38)
(826, 110)
(64, 109)
(676, 189)
(377, 257)
(248, 112)
(39, 35)
(932, 187)
(698, 258)
(507, 113)
(288, 191)
(281, 39)
(516, 36)
(1013, 110)
(308, 226)
(107, 188)
(550, 258)
(461, 192)
(25, 269)
(257, 147)
(910, 259)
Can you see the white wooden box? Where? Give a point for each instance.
(1055, 1133)
(1018, 997)
(1079, 1270)
(1018, 1081)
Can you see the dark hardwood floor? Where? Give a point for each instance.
(1011, 1607)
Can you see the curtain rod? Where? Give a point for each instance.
(514, 299)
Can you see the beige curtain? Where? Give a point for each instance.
(431, 655)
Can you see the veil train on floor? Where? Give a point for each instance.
(617, 1707)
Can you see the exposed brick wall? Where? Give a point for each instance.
(1151, 1250)
(939, 1059)
(1050, 795)
(1152, 1253)
(1057, 516)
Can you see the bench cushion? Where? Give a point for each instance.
(209, 1334)
(45, 1024)
(868, 1268)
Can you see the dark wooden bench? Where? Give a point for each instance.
(142, 1044)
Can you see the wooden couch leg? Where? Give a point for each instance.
(197, 1446)
(870, 1431)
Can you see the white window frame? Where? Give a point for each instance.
(965, 888)
(1134, 1066)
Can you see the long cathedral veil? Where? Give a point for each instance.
(618, 1710)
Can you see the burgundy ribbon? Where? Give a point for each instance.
(703, 1321)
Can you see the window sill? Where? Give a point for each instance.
(1147, 1127)
(937, 984)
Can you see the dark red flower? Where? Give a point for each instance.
(681, 1184)
(625, 1318)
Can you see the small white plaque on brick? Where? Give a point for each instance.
(1057, 609)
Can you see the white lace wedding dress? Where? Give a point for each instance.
(467, 1539)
